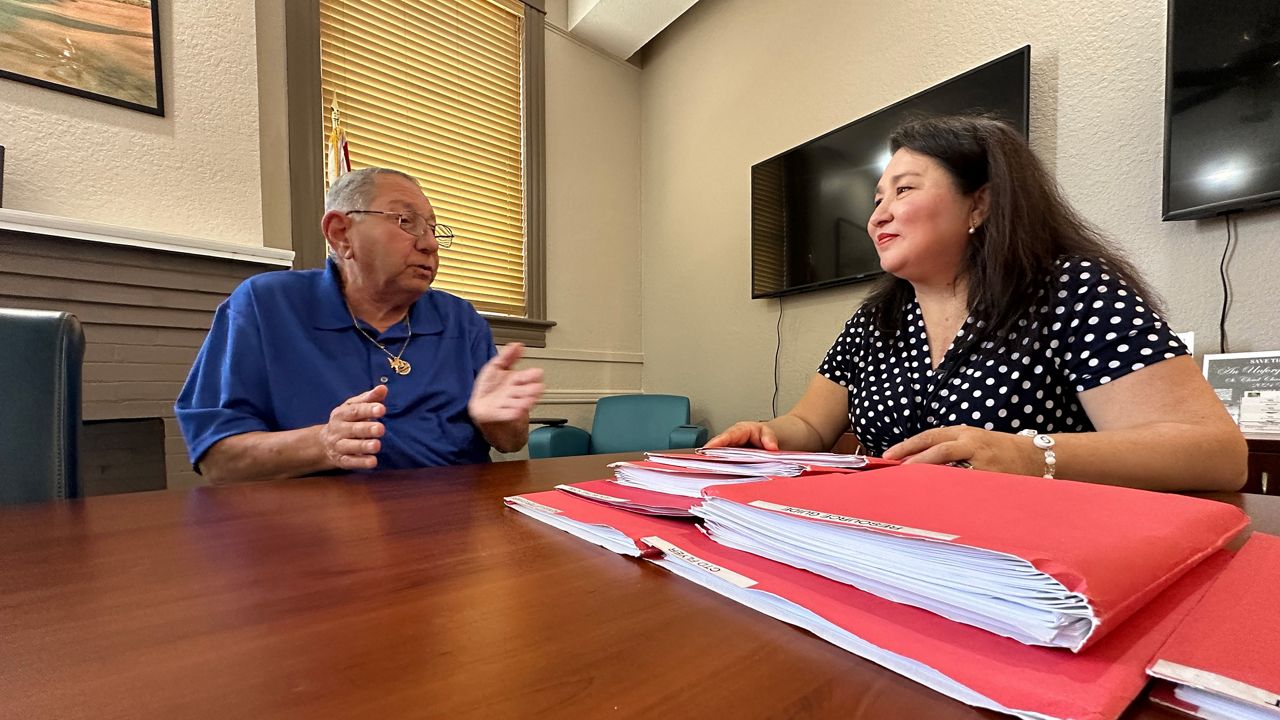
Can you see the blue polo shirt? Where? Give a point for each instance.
(283, 353)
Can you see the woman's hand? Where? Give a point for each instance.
(746, 434)
(981, 449)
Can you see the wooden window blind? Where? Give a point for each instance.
(433, 88)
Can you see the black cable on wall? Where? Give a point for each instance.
(1226, 288)
(777, 351)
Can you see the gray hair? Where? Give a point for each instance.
(354, 190)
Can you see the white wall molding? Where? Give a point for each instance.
(53, 225)
(602, 356)
(579, 396)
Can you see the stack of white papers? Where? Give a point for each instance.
(743, 590)
(673, 480)
(688, 474)
(1220, 707)
(994, 591)
(1045, 562)
(728, 465)
(606, 536)
(825, 459)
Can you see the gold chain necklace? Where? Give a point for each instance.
(401, 367)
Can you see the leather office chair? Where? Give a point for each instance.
(41, 355)
(623, 423)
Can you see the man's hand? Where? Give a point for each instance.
(503, 394)
(502, 398)
(350, 439)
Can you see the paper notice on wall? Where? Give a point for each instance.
(1260, 411)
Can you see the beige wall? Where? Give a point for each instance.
(273, 125)
(194, 172)
(732, 83)
(593, 229)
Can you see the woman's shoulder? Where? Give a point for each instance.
(1086, 285)
(1084, 270)
(1075, 278)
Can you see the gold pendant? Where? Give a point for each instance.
(402, 367)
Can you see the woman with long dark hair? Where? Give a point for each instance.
(1007, 335)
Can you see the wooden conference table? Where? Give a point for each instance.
(408, 594)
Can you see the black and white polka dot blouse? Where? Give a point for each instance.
(1087, 328)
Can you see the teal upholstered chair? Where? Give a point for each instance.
(623, 423)
(41, 355)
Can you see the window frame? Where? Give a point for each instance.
(306, 160)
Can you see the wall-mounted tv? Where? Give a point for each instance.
(1222, 107)
(810, 204)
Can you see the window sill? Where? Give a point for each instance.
(533, 333)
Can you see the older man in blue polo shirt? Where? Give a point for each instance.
(359, 365)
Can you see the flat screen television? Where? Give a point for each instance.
(1222, 107)
(810, 204)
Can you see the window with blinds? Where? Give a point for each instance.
(433, 88)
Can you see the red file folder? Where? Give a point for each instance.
(1229, 645)
(595, 521)
(631, 499)
(963, 662)
(1117, 547)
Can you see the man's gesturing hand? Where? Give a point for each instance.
(350, 438)
(503, 394)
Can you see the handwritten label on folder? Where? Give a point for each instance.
(588, 493)
(667, 548)
(851, 521)
(539, 507)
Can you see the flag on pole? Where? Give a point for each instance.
(337, 157)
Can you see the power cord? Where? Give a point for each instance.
(777, 351)
(1226, 289)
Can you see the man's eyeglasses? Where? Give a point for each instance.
(414, 224)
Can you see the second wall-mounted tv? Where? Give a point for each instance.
(810, 204)
(1222, 107)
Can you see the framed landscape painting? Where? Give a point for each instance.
(106, 50)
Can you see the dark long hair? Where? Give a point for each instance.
(1029, 225)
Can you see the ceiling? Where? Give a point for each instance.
(621, 27)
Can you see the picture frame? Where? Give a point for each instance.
(1233, 376)
(105, 50)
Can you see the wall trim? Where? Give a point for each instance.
(579, 397)
(64, 227)
(603, 356)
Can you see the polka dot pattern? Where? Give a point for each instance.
(1086, 328)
